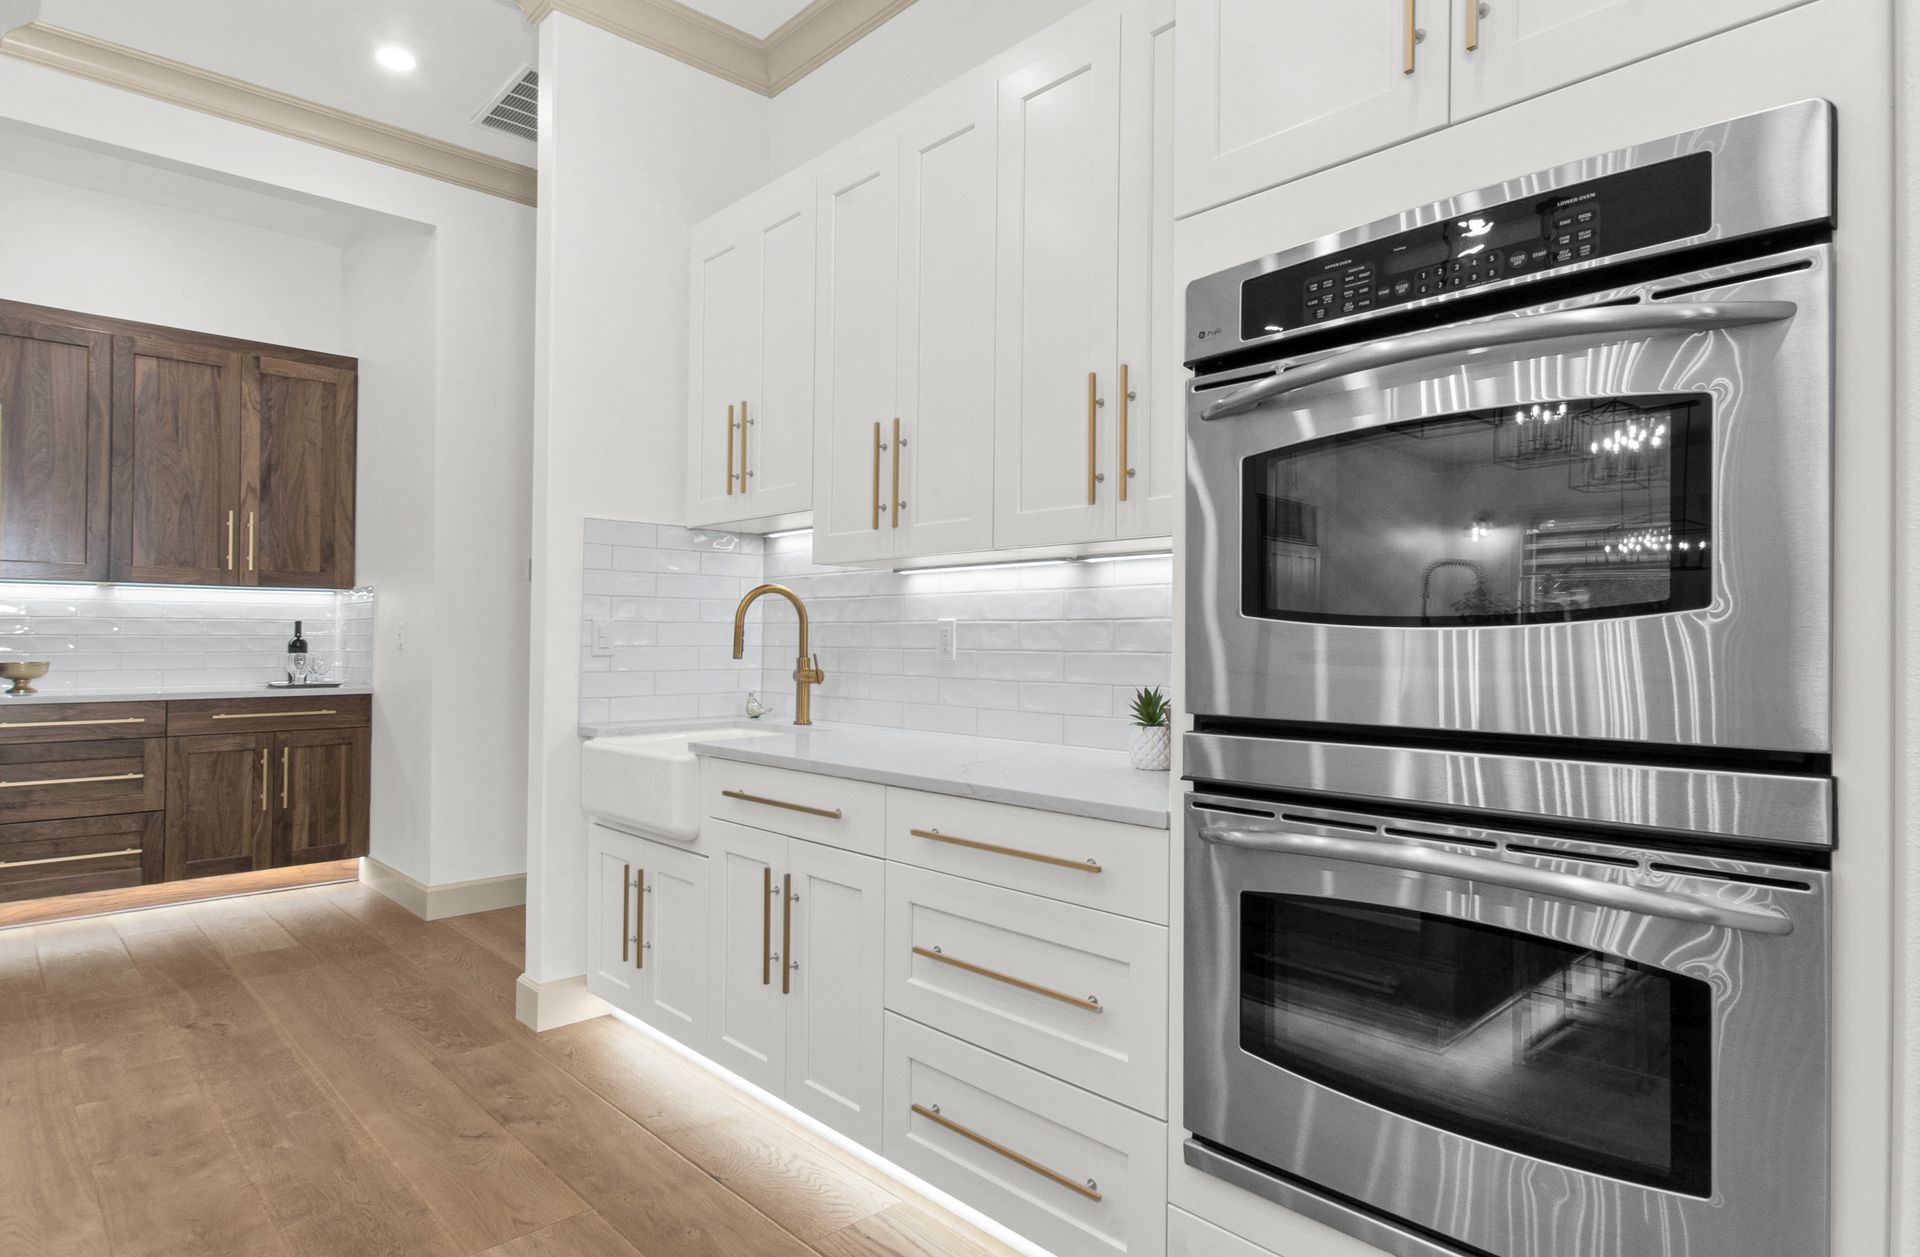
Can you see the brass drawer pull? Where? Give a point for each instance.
(286, 774)
(874, 522)
(1087, 1189)
(1091, 1004)
(640, 920)
(70, 724)
(1093, 434)
(934, 835)
(730, 476)
(271, 715)
(766, 926)
(1413, 36)
(69, 781)
(832, 814)
(229, 541)
(626, 912)
(1126, 397)
(786, 934)
(265, 777)
(68, 859)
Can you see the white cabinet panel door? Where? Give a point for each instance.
(777, 442)
(1059, 147)
(612, 973)
(1526, 47)
(1273, 89)
(725, 321)
(855, 408)
(744, 1000)
(674, 901)
(1148, 465)
(947, 212)
(833, 944)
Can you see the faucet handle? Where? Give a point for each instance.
(818, 675)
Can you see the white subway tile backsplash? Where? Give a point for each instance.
(1045, 654)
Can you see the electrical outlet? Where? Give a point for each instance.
(949, 637)
(603, 637)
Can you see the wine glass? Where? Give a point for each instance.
(320, 667)
(300, 665)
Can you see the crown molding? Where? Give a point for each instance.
(769, 66)
(239, 101)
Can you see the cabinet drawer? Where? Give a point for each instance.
(1097, 864)
(42, 858)
(82, 722)
(260, 715)
(61, 779)
(1072, 1172)
(832, 810)
(1079, 994)
(1188, 1236)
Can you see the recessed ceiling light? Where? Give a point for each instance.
(396, 58)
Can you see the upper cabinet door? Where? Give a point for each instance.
(56, 386)
(946, 385)
(1273, 89)
(1508, 50)
(176, 456)
(725, 321)
(776, 443)
(1149, 418)
(856, 468)
(297, 467)
(1059, 192)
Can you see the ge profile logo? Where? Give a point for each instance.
(1208, 331)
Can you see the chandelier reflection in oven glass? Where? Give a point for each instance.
(1623, 447)
(1535, 435)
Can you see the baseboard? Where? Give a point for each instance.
(549, 1005)
(455, 899)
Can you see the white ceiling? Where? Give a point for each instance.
(322, 50)
(759, 18)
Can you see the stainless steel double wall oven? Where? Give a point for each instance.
(1508, 621)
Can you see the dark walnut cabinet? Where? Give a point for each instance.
(98, 796)
(138, 453)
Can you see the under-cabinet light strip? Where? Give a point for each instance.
(1013, 563)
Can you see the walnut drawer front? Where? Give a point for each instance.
(65, 857)
(51, 781)
(81, 722)
(265, 715)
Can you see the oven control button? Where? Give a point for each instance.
(1586, 250)
(1586, 217)
(1562, 255)
(1583, 235)
(1319, 314)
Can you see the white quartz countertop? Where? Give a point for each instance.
(1073, 780)
(177, 696)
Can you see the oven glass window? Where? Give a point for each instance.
(1578, 510)
(1549, 1050)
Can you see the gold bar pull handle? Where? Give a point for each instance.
(745, 423)
(640, 889)
(899, 507)
(1089, 1189)
(1094, 403)
(250, 531)
(70, 781)
(1126, 398)
(286, 775)
(877, 447)
(1414, 36)
(626, 912)
(786, 934)
(972, 844)
(1090, 1003)
(69, 859)
(229, 541)
(265, 777)
(64, 724)
(729, 451)
(1475, 11)
(766, 926)
(832, 814)
(271, 715)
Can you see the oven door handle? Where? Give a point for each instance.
(1560, 325)
(1481, 869)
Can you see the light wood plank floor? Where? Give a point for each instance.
(318, 1072)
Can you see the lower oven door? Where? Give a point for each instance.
(1531, 1047)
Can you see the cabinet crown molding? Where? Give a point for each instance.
(769, 66)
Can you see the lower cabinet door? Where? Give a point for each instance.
(613, 916)
(743, 983)
(832, 938)
(1076, 1174)
(321, 810)
(220, 804)
(670, 919)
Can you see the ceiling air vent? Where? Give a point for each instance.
(517, 109)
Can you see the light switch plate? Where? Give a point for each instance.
(949, 636)
(603, 637)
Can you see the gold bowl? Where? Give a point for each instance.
(21, 671)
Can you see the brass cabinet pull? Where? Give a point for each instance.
(933, 1115)
(229, 541)
(898, 506)
(640, 920)
(265, 776)
(1475, 11)
(626, 911)
(933, 953)
(270, 715)
(877, 447)
(1126, 472)
(286, 774)
(745, 423)
(66, 724)
(1413, 36)
(729, 451)
(786, 934)
(1093, 433)
(69, 781)
(250, 541)
(934, 835)
(832, 814)
(68, 859)
(766, 926)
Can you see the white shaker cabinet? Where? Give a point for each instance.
(648, 934)
(1273, 89)
(749, 1018)
(1508, 50)
(751, 372)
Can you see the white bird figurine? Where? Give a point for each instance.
(755, 708)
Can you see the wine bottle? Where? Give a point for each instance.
(297, 656)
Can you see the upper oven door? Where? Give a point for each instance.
(1543, 1047)
(1601, 518)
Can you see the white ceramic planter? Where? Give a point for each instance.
(1152, 748)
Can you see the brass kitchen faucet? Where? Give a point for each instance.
(806, 669)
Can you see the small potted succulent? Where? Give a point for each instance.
(1152, 746)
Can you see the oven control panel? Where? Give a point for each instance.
(1588, 222)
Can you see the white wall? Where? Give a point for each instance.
(634, 149)
(444, 427)
(929, 43)
(1906, 1163)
